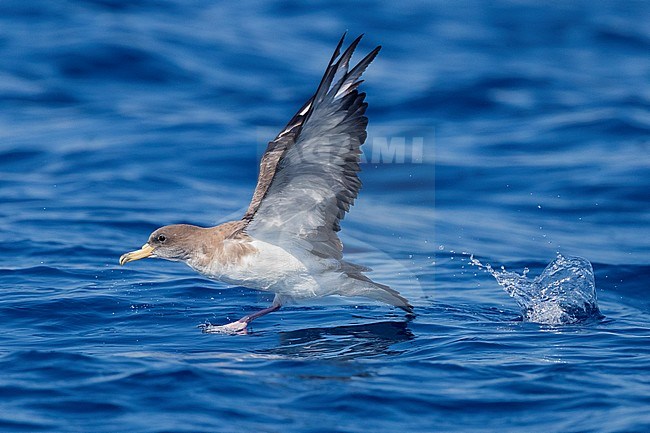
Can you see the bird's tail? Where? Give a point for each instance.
(361, 285)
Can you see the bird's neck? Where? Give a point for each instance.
(219, 246)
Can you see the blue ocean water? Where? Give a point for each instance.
(510, 131)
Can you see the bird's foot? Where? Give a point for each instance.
(234, 328)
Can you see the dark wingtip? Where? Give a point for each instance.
(363, 64)
(409, 310)
(337, 51)
(358, 39)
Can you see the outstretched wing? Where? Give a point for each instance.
(308, 174)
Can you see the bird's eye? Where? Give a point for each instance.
(162, 238)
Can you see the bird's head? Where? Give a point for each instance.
(175, 242)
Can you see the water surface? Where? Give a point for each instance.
(116, 118)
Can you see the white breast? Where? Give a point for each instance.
(270, 268)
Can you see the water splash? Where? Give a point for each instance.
(564, 293)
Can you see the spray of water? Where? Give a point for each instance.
(564, 293)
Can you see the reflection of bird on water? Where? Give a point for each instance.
(286, 242)
(343, 342)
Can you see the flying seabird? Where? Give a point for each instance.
(287, 242)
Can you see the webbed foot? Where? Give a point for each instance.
(240, 327)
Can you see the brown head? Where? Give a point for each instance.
(175, 242)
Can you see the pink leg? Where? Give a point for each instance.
(239, 327)
(250, 318)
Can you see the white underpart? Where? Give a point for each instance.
(271, 269)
